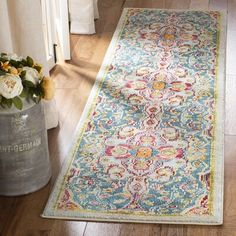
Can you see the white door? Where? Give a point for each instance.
(56, 30)
(49, 32)
(62, 27)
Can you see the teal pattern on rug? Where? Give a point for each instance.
(148, 145)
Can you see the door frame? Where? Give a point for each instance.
(56, 30)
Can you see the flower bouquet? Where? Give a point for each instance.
(22, 79)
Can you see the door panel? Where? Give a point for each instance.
(56, 30)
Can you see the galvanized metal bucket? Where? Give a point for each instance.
(24, 157)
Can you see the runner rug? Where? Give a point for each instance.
(149, 146)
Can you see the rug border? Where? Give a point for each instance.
(220, 118)
(217, 219)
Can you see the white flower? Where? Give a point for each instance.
(31, 75)
(13, 56)
(10, 86)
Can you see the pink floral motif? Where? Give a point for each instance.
(119, 152)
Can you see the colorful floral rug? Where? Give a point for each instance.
(149, 146)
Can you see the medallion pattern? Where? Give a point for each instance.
(148, 145)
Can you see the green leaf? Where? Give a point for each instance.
(22, 74)
(24, 62)
(23, 94)
(30, 61)
(2, 72)
(14, 63)
(30, 93)
(2, 105)
(17, 102)
(7, 102)
(28, 84)
(38, 68)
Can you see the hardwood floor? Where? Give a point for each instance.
(20, 216)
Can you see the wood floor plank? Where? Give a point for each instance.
(71, 228)
(230, 184)
(147, 3)
(175, 4)
(104, 229)
(169, 230)
(218, 4)
(230, 152)
(210, 231)
(231, 52)
(199, 4)
(140, 230)
(82, 72)
(7, 212)
(231, 15)
(230, 99)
